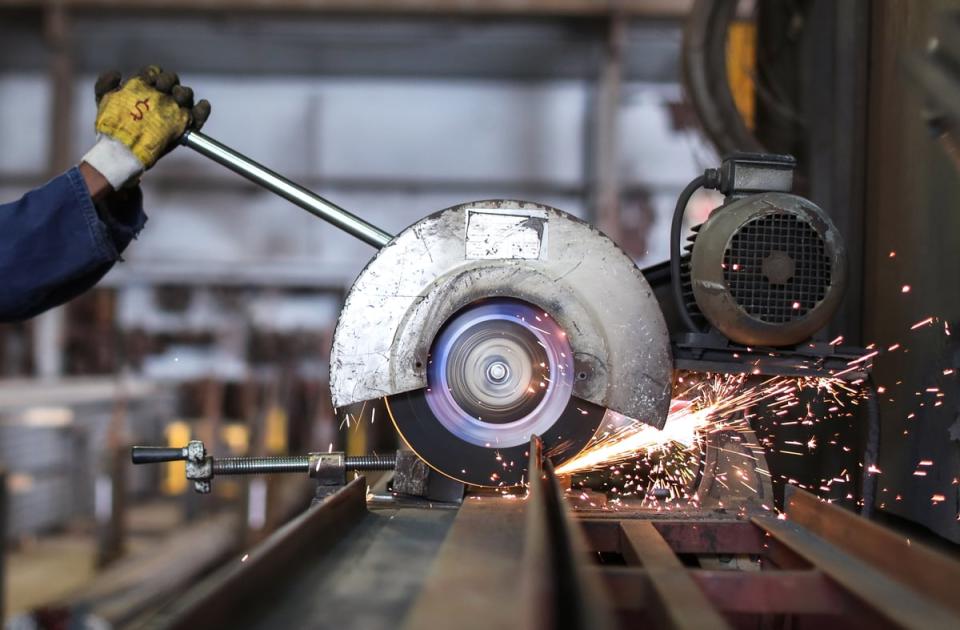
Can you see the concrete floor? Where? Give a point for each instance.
(48, 568)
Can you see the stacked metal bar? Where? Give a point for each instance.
(530, 561)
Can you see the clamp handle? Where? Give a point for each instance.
(156, 454)
(199, 464)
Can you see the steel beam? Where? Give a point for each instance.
(557, 584)
(663, 9)
(475, 578)
(738, 592)
(677, 600)
(894, 601)
(514, 563)
(914, 564)
(312, 532)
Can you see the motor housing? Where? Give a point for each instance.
(768, 269)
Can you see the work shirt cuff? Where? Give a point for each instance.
(115, 221)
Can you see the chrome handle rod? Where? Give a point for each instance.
(279, 185)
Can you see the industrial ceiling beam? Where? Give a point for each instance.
(657, 9)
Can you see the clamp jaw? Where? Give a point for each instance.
(199, 464)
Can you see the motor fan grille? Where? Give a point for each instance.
(777, 267)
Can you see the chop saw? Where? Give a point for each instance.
(488, 323)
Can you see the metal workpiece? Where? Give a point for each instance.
(505, 561)
(510, 562)
(557, 581)
(505, 249)
(768, 269)
(224, 598)
(292, 192)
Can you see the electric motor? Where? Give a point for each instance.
(768, 269)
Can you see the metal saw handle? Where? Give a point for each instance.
(279, 185)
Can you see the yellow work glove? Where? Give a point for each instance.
(140, 121)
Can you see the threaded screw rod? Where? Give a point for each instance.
(296, 464)
(260, 465)
(370, 462)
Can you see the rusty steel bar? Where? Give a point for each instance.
(926, 571)
(805, 592)
(560, 591)
(772, 592)
(311, 533)
(703, 537)
(895, 601)
(514, 563)
(677, 600)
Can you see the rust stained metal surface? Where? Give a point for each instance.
(514, 563)
(522, 562)
(737, 592)
(710, 536)
(820, 565)
(891, 600)
(921, 568)
(217, 598)
(771, 592)
(677, 600)
(474, 578)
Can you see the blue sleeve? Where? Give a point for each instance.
(55, 244)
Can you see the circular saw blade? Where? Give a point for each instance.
(500, 371)
(489, 466)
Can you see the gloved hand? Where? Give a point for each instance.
(140, 122)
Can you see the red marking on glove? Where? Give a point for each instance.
(138, 115)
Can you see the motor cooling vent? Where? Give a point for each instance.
(768, 269)
(776, 268)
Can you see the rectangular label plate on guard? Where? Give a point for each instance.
(506, 233)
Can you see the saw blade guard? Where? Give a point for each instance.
(465, 312)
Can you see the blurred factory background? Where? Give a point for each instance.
(219, 321)
(220, 318)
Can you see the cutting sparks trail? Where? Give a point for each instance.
(715, 403)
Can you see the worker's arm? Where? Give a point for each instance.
(60, 239)
(97, 184)
(55, 242)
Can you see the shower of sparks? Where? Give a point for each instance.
(716, 403)
(663, 467)
(724, 413)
